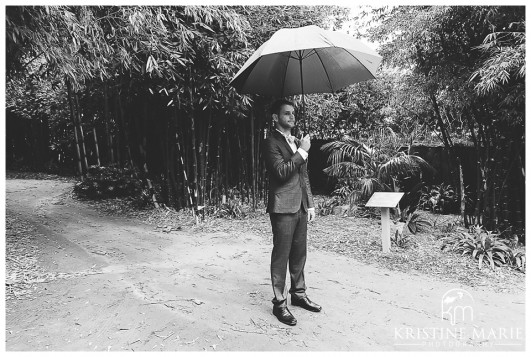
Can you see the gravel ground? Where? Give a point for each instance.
(350, 236)
(353, 237)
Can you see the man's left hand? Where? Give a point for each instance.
(311, 214)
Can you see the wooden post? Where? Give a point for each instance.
(385, 200)
(386, 228)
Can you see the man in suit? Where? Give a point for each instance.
(290, 207)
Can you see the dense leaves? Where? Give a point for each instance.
(149, 90)
(375, 165)
(464, 66)
(484, 246)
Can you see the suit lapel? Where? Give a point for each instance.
(283, 141)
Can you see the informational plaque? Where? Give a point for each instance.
(385, 200)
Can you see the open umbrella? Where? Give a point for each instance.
(306, 60)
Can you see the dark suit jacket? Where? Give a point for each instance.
(289, 186)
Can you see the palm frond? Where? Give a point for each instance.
(402, 164)
(369, 185)
(347, 148)
(344, 169)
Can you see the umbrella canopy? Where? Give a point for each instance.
(306, 60)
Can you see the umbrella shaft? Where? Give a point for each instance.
(302, 92)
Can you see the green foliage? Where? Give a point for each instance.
(376, 165)
(484, 246)
(109, 182)
(415, 223)
(232, 209)
(518, 261)
(440, 198)
(448, 226)
(266, 20)
(325, 207)
(463, 78)
(505, 61)
(402, 240)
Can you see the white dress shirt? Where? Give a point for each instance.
(291, 141)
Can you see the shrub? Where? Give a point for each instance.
(324, 208)
(481, 245)
(109, 182)
(518, 261)
(370, 166)
(231, 209)
(439, 198)
(402, 241)
(415, 223)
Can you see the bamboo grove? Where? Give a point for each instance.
(147, 88)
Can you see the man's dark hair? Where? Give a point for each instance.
(277, 104)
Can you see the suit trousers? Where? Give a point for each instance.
(289, 245)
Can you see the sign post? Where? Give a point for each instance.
(385, 200)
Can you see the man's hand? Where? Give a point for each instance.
(311, 214)
(305, 143)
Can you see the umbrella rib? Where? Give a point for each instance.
(283, 87)
(326, 72)
(356, 58)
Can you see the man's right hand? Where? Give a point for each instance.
(305, 143)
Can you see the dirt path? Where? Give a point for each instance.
(131, 287)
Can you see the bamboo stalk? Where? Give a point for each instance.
(185, 176)
(218, 166)
(207, 146)
(194, 154)
(253, 159)
(242, 172)
(107, 118)
(96, 146)
(82, 135)
(125, 132)
(167, 165)
(146, 173)
(118, 136)
(201, 162)
(78, 152)
(227, 154)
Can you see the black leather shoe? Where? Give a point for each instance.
(283, 315)
(306, 303)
